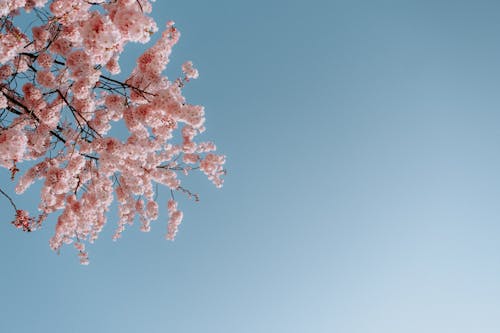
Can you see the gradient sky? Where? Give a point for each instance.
(363, 144)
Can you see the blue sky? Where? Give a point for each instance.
(363, 144)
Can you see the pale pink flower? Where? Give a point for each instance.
(190, 158)
(212, 166)
(46, 78)
(112, 66)
(45, 60)
(40, 36)
(189, 70)
(175, 219)
(13, 143)
(11, 44)
(61, 46)
(5, 72)
(3, 101)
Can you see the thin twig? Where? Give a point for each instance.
(10, 199)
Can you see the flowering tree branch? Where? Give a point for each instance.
(59, 101)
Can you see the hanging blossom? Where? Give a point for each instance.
(59, 100)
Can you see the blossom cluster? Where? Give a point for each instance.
(59, 101)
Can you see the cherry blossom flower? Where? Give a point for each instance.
(189, 70)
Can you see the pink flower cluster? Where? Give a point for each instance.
(12, 42)
(23, 220)
(189, 70)
(62, 111)
(13, 143)
(175, 219)
(9, 7)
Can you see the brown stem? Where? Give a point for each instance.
(10, 199)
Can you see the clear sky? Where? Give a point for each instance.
(363, 144)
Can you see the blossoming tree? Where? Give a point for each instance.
(59, 98)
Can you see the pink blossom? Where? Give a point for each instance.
(175, 219)
(132, 23)
(112, 65)
(6, 7)
(3, 101)
(61, 46)
(62, 110)
(30, 4)
(40, 36)
(13, 142)
(45, 60)
(211, 165)
(11, 44)
(100, 37)
(46, 79)
(5, 72)
(189, 70)
(191, 158)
